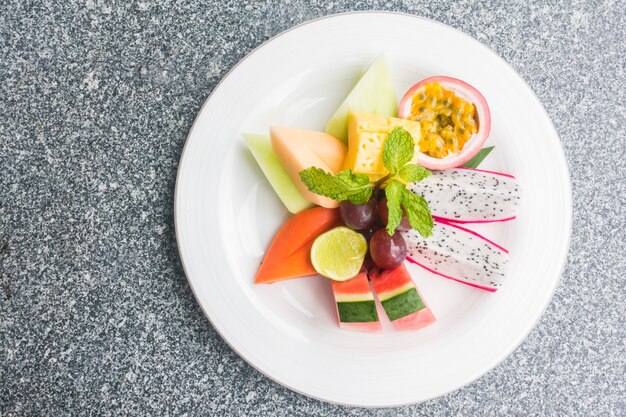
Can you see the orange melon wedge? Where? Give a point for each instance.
(299, 149)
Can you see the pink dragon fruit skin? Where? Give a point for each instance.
(469, 195)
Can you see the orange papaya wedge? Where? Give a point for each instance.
(289, 254)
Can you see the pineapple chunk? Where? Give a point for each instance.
(366, 137)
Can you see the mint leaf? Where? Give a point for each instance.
(418, 213)
(413, 173)
(478, 158)
(393, 192)
(398, 149)
(345, 185)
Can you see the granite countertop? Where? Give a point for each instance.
(96, 99)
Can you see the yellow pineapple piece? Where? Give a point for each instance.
(366, 136)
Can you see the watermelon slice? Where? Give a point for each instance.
(373, 93)
(356, 308)
(289, 254)
(400, 298)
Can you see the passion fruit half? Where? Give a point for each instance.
(454, 120)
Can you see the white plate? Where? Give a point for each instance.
(226, 214)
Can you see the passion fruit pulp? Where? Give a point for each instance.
(447, 121)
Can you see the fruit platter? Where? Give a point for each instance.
(372, 209)
(387, 183)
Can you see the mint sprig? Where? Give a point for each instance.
(413, 173)
(398, 151)
(418, 213)
(346, 185)
(400, 199)
(393, 192)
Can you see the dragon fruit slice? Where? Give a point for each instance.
(459, 254)
(469, 195)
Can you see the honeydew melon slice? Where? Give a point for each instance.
(373, 93)
(276, 174)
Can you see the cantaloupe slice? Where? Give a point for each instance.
(373, 93)
(299, 149)
(289, 254)
(276, 174)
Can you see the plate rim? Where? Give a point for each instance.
(568, 194)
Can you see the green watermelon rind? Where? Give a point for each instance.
(403, 304)
(357, 311)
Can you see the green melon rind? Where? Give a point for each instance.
(403, 304)
(276, 174)
(373, 93)
(357, 311)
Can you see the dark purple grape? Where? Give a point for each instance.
(383, 213)
(358, 216)
(387, 252)
(368, 232)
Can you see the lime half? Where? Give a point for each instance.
(338, 254)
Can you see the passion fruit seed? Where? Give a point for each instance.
(447, 120)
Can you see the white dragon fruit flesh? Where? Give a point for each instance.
(459, 254)
(467, 195)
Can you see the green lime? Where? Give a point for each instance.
(338, 254)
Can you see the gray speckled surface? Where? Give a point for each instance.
(96, 99)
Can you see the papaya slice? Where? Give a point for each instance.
(289, 254)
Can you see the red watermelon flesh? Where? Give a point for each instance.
(400, 298)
